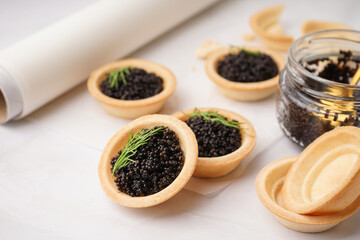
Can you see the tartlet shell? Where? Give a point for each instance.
(117, 142)
(220, 166)
(243, 91)
(132, 108)
(268, 187)
(262, 20)
(306, 170)
(313, 26)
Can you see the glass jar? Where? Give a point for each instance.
(308, 105)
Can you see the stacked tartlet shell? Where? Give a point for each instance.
(219, 166)
(269, 184)
(132, 108)
(243, 91)
(188, 145)
(326, 177)
(318, 189)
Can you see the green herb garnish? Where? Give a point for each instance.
(114, 77)
(236, 50)
(215, 117)
(257, 53)
(136, 140)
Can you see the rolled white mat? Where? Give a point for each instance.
(41, 67)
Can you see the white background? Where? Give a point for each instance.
(49, 187)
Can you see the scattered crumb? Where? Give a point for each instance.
(248, 37)
(206, 48)
(192, 68)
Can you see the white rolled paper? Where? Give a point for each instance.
(43, 66)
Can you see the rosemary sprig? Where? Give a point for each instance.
(215, 117)
(136, 140)
(114, 77)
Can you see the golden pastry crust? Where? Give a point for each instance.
(263, 21)
(188, 145)
(220, 166)
(3, 108)
(313, 26)
(268, 187)
(243, 91)
(132, 108)
(326, 177)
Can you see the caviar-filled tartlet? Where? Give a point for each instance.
(130, 88)
(245, 74)
(148, 161)
(224, 139)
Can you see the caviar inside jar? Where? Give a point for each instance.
(303, 119)
(155, 165)
(247, 67)
(132, 84)
(339, 68)
(214, 139)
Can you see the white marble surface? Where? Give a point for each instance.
(49, 187)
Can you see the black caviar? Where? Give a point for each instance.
(303, 124)
(245, 67)
(304, 117)
(340, 70)
(214, 139)
(156, 165)
(139, 85)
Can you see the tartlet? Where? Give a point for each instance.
(266, 24)
(313, 26)
(132, 108)
(188, 145)
(211, 167)
(268, 187)
(243, 91)
(326, 177)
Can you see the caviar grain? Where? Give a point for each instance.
(214, 139)
(139, 85)
(245, 67)
(156, 165)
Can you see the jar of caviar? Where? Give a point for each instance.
(310, 105)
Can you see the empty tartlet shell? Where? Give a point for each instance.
(326, 177)
(211, 167)
(243, 91)
(313, 26)
(268, 187)
(188, 145)
(263, 20)
(132, 108)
